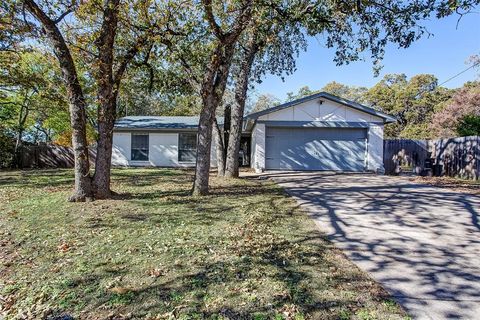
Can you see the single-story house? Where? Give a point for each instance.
(318, 132)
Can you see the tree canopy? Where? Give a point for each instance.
(121, 57)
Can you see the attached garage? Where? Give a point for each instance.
(334, 149)
(318, 132)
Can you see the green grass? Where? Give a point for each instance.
(244, 252)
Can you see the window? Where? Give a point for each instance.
(187, 147)
(139, 147)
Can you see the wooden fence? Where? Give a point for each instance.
(454, 157)
(49, 156)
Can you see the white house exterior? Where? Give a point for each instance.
(319, 132)
(164, 146)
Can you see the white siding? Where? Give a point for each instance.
(213, 154)
(375, 148)
(121, 150)
(163, 151)
(258, 147)
(314, 111)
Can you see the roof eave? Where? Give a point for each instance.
(386, 118)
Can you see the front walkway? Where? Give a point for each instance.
(421, 243)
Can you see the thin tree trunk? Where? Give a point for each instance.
(227, 119)
(107, 96)
(17, 153)
(238, 108)
(77, 105)
(220, 149)
(22, 118)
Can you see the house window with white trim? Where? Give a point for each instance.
(139, 147)
(187, 147)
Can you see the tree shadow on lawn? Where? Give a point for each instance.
(183, 194)
(305, 289)
(308, 276)
(304, 275)
(37, 178)
(177, 206)
(40, 178)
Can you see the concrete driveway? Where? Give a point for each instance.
(421, 243)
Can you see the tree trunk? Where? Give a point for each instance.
(83, 182)
(103, 161)
(17, 153)
(238, 108)
(212, 91)
(204, 145)
(220, 149)
(22, 118)
(107, 96)
(213, 87)
(227, 119)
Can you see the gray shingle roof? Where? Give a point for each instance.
(155, 122)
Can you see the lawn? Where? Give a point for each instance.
(244, 252)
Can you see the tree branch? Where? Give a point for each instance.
(211, 19)
(63, 15)
(192, 79)
(125, 60)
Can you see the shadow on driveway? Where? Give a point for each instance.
(420, 242)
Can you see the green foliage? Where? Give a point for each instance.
(31, 101)
(302, 92)
(412, 101)
(263, 102)
(7, 149)
(161, 92)
(469, 125)
(352, 93)
(416, 131)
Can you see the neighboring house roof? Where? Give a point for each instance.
(154, 122)
(325, 95)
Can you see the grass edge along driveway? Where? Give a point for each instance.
(244, 252)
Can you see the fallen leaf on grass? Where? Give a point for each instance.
(6, 302)
(155, 273)
(64, 247)
(120, 290)
(12, 213)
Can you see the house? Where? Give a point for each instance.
(318, 132)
